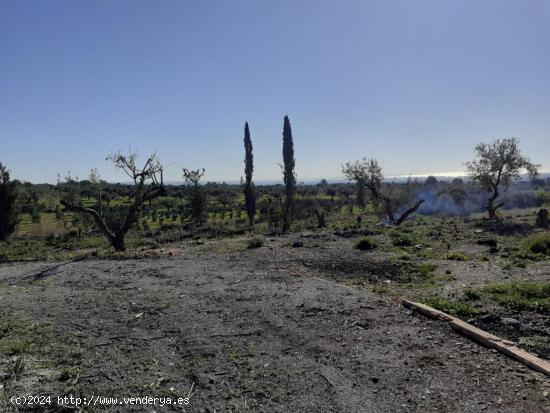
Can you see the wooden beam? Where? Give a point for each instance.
(489, 340)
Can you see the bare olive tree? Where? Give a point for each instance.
(498, 164)
(396, 201)
(148, 185)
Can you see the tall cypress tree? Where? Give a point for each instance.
(289, 176)
(9, 216)
(249, 192)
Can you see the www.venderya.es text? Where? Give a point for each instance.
(97, 400)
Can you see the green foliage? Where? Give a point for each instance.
(13, 347)
(521, 296)
(249, 190)
(255, 242)
(457, 308)
(366, 244)
(456, 256)
(402, 240)
(425, 269)
(472, 294)
(9, 214)
(289, 177)
(543, 196)
(539, 243)
(199, 201)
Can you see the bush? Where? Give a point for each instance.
(456, 256)
(254, 243)
(402, 240)
(539, 243)
(366, 244)
(471, 294)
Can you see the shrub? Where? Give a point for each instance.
(426, 269)
(456, 256)
(254, 243)
(539, 243)
(471, 294)
(366, 244)
(297, 244)
(402, 240)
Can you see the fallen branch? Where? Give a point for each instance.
(489, 340)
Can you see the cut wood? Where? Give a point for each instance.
(489, 340)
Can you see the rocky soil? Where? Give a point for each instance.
(240, 330)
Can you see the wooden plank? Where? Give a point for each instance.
(427, 310)
(487, 339)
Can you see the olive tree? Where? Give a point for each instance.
(197, 196)
(397, 201)
(497, 165)
(147, 185)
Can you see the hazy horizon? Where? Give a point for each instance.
(415, 84)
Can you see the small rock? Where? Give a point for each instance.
(509, 321)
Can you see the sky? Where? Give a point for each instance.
(414, 83)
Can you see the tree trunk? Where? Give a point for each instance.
(118, 242)
(491, 207)
(408, 212)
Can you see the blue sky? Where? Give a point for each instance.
(414, 83)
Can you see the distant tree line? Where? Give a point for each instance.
(114, 208)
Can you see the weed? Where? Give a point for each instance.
(451, 307)
(521, 296)
(471, 294)
(402, 240)
(539, 243)
(456, 256)
(255, 242)
(366, 244)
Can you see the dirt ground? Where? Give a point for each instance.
(263, 330)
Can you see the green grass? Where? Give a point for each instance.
(521, 296)
(255, 242)
(366, 244)
(402, 240)
(457, 308)
(455, 256)
(538, 243)
(426, 269)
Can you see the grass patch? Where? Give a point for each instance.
(471, 294)
(521, 296)
(366, 244)
(14, 346)
(425, 269)
(538, 243)
(402, 240)
(456, 256)
(254, 243)
(457, 308)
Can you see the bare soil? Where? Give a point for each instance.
(265, 330)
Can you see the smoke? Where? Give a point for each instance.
(463, 199)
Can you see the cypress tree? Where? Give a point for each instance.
(289, 177)
(249, 192)
(9, 216)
